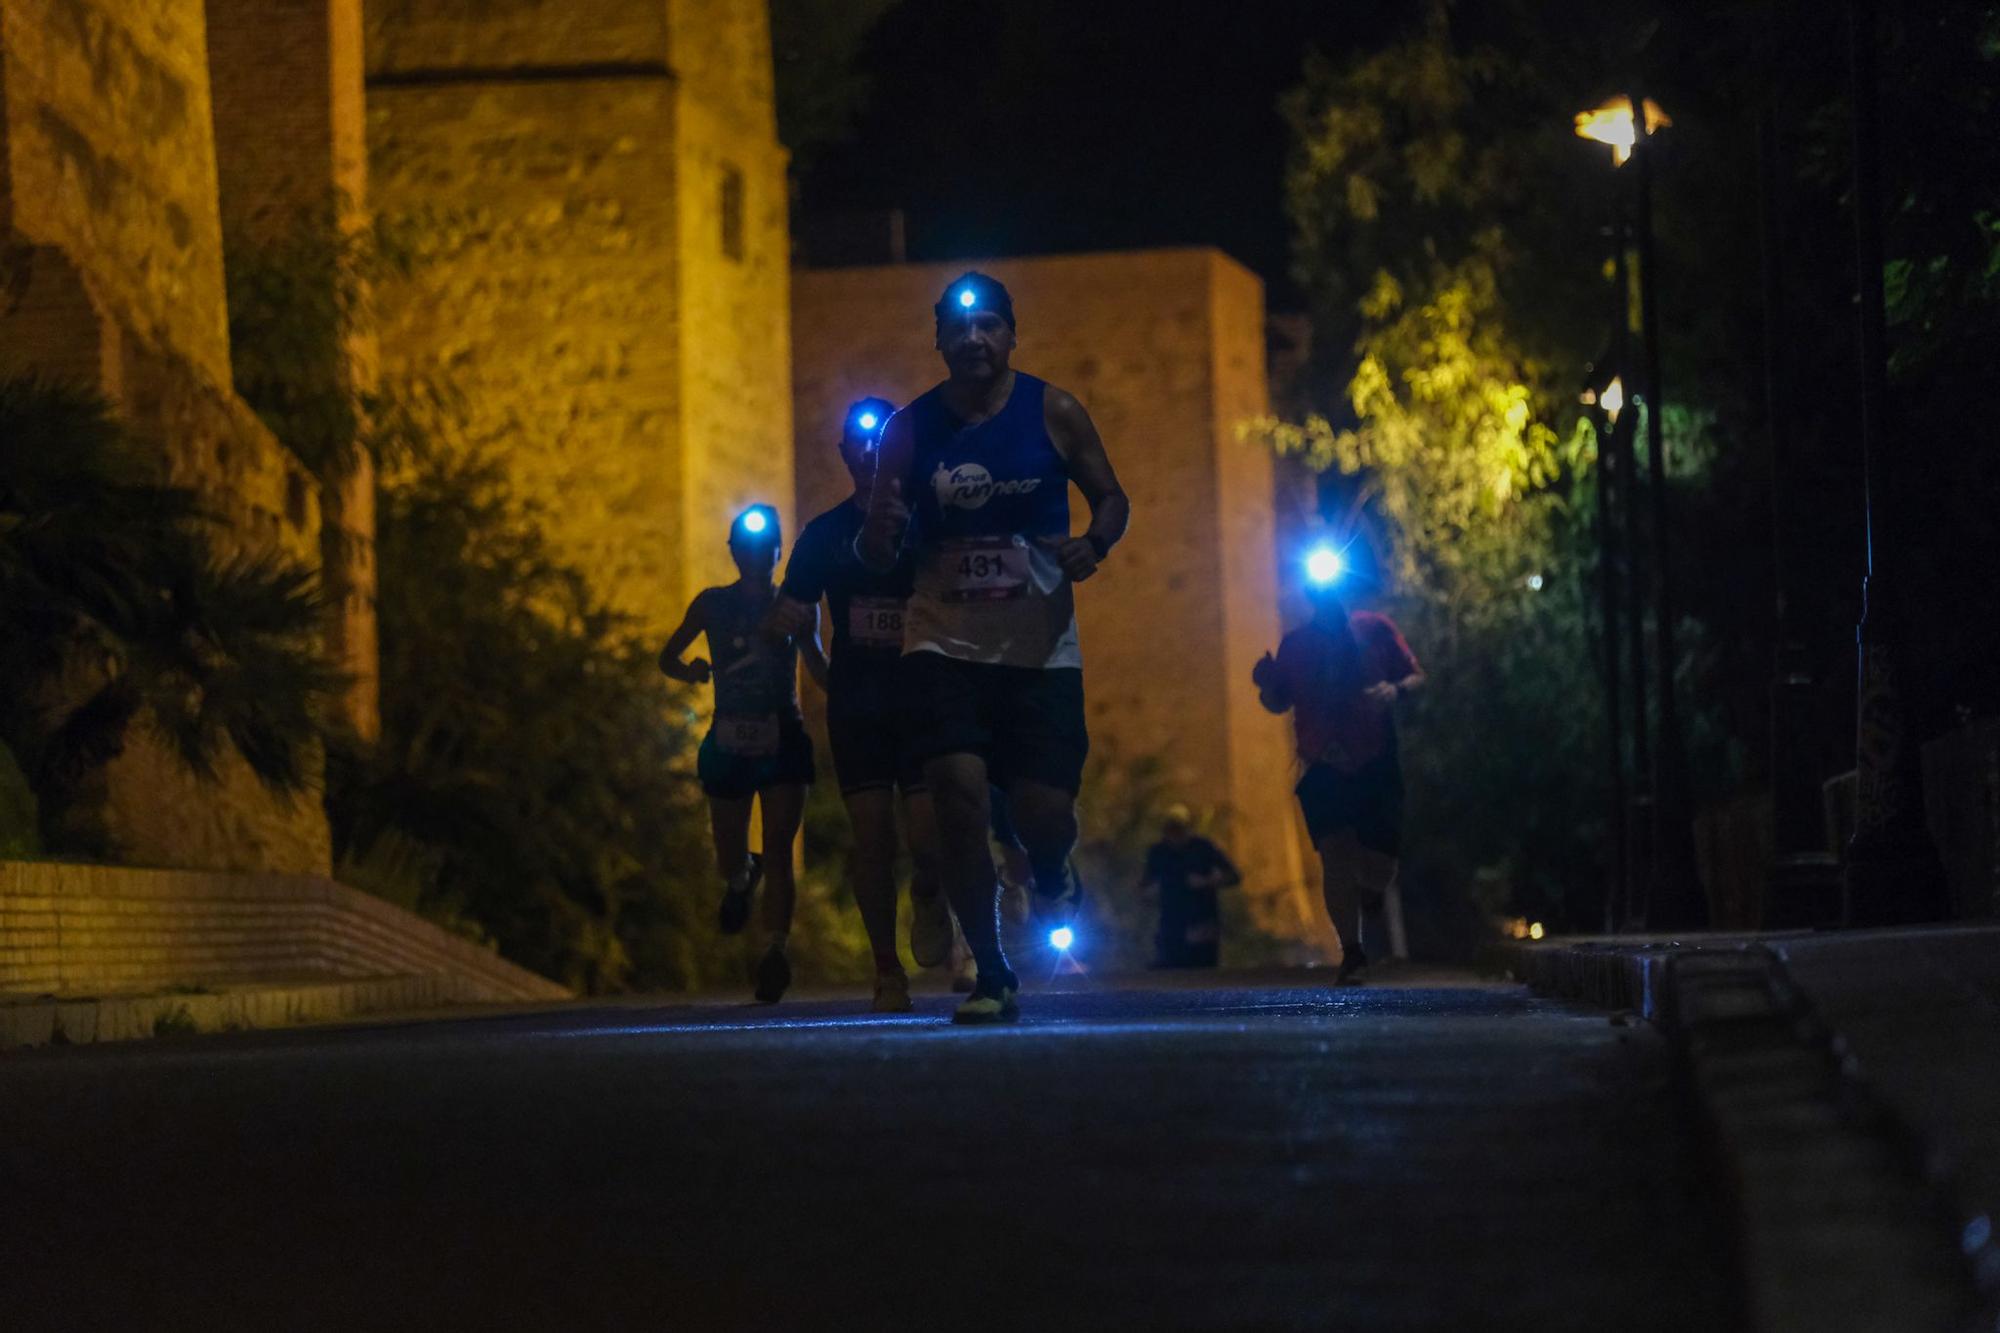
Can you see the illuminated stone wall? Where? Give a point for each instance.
(114, 279)
(1166, 350)
(285, 79)
(561, 171)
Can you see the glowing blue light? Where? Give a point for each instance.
(754, 521)
(1061, 937)
(1325, 565)
(1534, 583)
(868, 420)
(965, 297)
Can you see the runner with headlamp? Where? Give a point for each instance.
(1340, 675)
(863, 720)
(756, 748)
(974, 477)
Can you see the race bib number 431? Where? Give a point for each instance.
(984, 571)
(876, 622)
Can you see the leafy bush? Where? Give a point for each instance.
(116, 612)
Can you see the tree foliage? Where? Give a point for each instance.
(532, 780)
(1449, 452)
(115, 612)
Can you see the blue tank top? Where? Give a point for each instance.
(998, 478)
(987, 503)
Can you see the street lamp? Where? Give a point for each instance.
(1613, 124)
(1673, 897)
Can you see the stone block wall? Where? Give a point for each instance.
(734, 272)
(566, 186)
(1165, 349)
(83, 930)
(109, 157)
(286, 82)
(108, 197)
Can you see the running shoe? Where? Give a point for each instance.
(774, 974)
(735, 910)
(1353, 967)
(1063, 904)
(892, 993)
(930, 929)
(995, 999)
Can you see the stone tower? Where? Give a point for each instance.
(111, 277)
(293, 178)
(595, 196)
(1166, 350)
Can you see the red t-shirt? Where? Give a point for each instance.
(1323, 673)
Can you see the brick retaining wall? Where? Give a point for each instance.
(82, 929)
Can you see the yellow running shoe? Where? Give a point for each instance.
(993, 1000)
(892, 993)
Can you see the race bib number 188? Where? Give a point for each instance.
(875, 622)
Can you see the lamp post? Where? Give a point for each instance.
(1609, 399)
(1893, 870)
(1802, 881)
(1673, 894)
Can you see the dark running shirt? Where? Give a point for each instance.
(866, 608)
(1324, 673)
(753, 676)
(1182, 905)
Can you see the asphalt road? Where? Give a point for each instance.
(1241, 1153)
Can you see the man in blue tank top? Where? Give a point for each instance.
(863, 713)
(974, 478)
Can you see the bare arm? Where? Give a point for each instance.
(881, 537)
(1076, 439)
(809, 647)
(692, 624)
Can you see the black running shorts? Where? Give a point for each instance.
(1025, 722)
(864, 728)
(1368, 801)
(731, 777)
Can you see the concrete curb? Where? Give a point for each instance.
(1838, 1224)
(76, 1021)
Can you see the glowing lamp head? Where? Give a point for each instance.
(756, 527)
(866, 419)
(1325, 566)
(1613, 124)
(1061, 938)
(965, 298)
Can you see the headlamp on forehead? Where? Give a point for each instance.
(866, 418)
(758, 523)
(972, 291)
(1324, 566)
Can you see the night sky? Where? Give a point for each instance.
(1041, 126)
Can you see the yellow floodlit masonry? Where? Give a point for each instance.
(596, 195)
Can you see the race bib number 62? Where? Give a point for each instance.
(749, 737)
